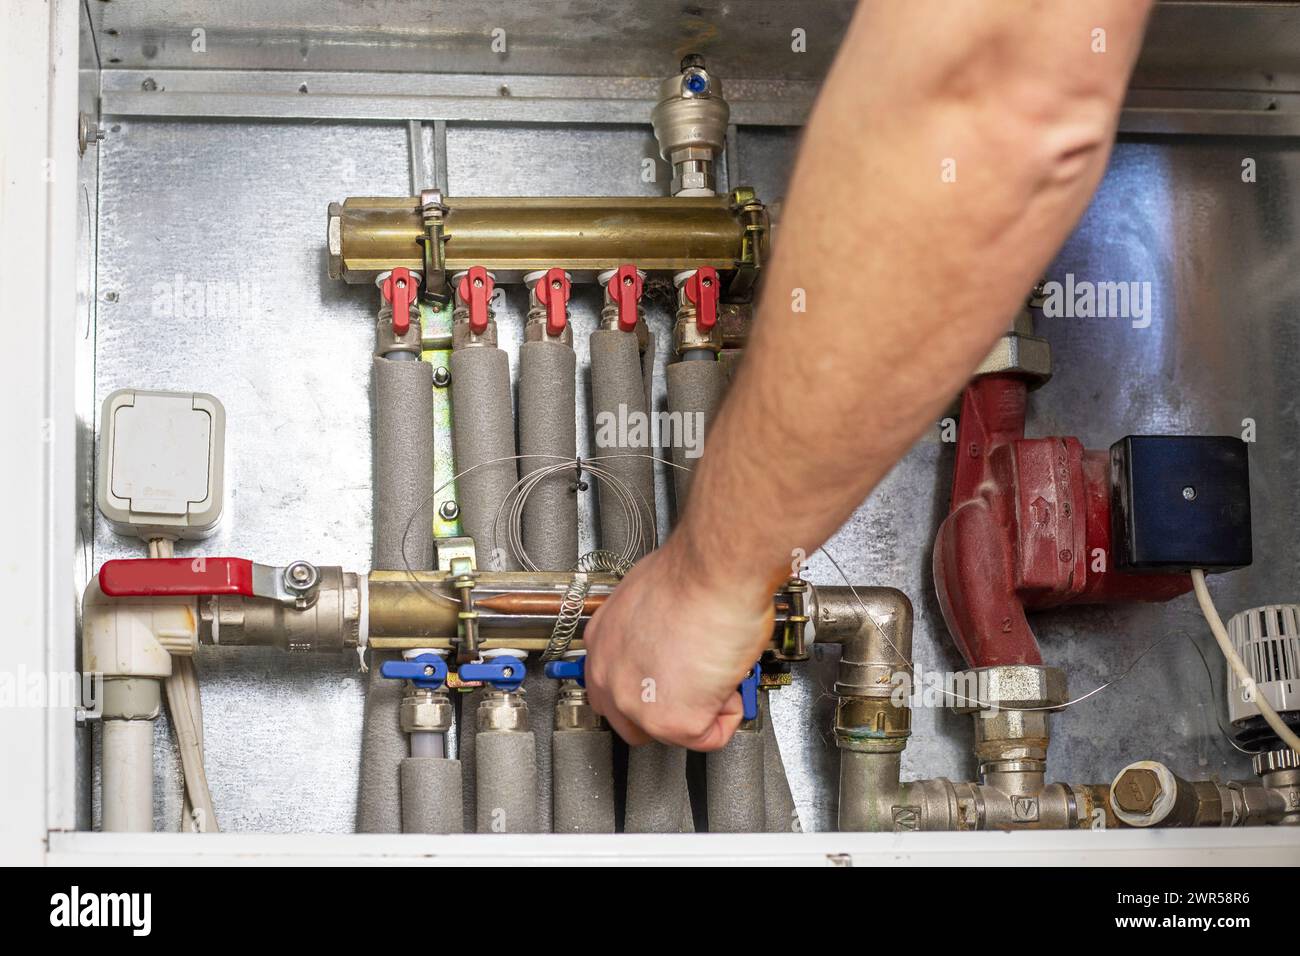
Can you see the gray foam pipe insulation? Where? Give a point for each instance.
(584, 780)
(548, 429)
(403, 484)
(483, 431)
(507, 782)
(483, 441)
(618, 384)
(657, 798)
(746, 776)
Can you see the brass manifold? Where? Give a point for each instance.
(410, 609)
(512, 236)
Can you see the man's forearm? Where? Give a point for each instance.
(953, 148)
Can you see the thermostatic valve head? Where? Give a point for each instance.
(690, 123)
(1268, 641)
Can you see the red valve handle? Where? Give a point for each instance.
(702, 292)
(553, 292)
(176, 577)
(399, 289)
(625, 289)
(475, 290)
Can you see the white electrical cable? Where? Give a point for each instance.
(186, 708)
(1287, 735)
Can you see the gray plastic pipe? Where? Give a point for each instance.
(403, 483)
(618, 394)
(483, 431)
(128, 776)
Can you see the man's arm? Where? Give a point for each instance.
(910, 275)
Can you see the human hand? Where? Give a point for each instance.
(666, 651)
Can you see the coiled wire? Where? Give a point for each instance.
(575, 599)
(635, 511)
(510, 516)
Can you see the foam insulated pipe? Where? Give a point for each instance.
(618, 396)
(403, 465)
(547, 427)
(657, 798)
(431, 795)
(694, 393)
(383, 748)
(483, 430)
(584, 781)
(403, 522)
(734, 778)
(506, 781)
(128, 776)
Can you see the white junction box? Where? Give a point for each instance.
(161, 463)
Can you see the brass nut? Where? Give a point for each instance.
(422, 712)
(577, 716)
(500, 711)
(1137, 790)
(872, 725)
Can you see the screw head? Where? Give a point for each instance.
(441, 376)
(301, 576)
(448, 510)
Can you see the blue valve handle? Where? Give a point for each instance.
(569, 670)
(503, 673)
(749, 693)
(428, 671)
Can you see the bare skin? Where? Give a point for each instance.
(909, 280)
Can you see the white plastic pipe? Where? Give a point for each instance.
(128, 776)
